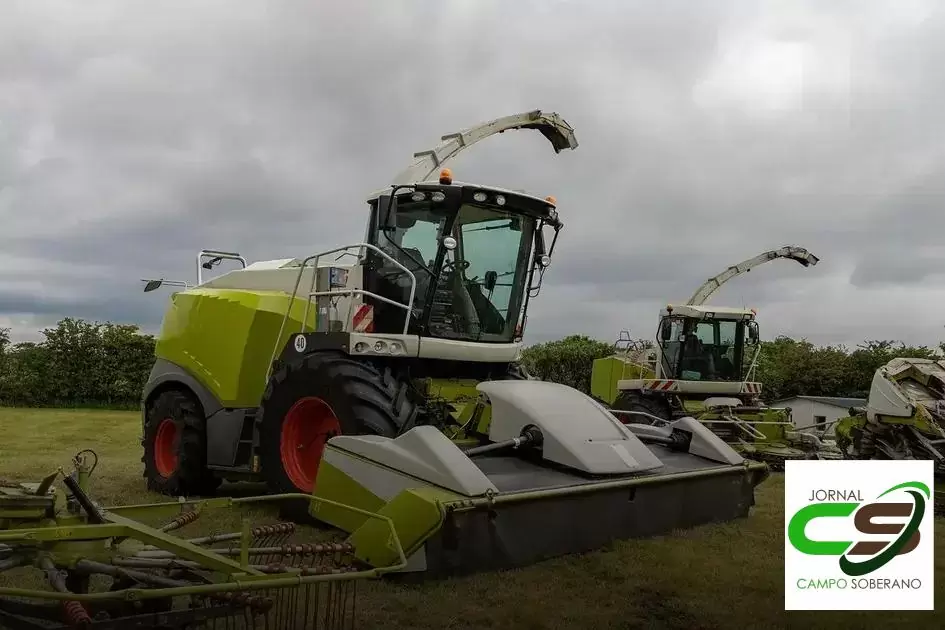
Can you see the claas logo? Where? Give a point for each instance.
(900, 537)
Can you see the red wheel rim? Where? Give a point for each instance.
(165, 448)
(306, 428)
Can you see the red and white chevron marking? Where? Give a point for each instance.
(661, 385)
(363, 320)
(751, 388)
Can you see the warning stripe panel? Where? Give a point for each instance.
(661, 385)
(363, 320)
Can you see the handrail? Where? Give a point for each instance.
(313, 293)
(205, 253)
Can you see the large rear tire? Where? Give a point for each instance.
(326, 394)
(175, 447)
(633, 401)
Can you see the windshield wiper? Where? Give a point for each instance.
(491, 227)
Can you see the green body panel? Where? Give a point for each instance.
(414, 507)
(843, 429)
(919, 420)
(417, 515)
(225, 338)
(462, 397)
(606, 372)
(334, 485)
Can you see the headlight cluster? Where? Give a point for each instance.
(482, 197)
(381, 346)
(436, 196)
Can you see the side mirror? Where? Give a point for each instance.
(154, 284)
(491, 279)
(387, 215)
(753, 335)
(666, 329)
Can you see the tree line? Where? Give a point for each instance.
(786, 367)
(80, 363)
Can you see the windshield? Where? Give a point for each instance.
(706, 350)
(482, 280)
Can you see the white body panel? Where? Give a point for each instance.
(578, 432)
(423, 452)
(887, 398)
(278, 275)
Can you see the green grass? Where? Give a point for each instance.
(723, 576)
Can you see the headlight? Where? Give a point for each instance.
(544, 261)
(380, 346)
(360, 347)
(396, 347)
(418, 196)
(500, 200)
(480, 197)
(437, 196)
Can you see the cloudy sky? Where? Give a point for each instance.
(133, 134)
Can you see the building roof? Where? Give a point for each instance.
(833, 401)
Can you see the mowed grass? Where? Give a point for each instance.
(721, 576)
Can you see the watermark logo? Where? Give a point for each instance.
(858, 535)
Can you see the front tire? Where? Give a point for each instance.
(175, 447)
(324, 395)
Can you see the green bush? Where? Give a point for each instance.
(567, 361)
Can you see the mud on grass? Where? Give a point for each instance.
(719, 576)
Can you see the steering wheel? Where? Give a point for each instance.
(462, 265)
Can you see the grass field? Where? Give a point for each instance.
(726, 576)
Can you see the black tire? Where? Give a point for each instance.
(362, 400)
(633, 401)
(189, 475)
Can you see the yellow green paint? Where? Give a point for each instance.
(225, 338)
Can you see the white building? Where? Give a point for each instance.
(820, 411)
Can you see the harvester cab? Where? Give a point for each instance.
(698, 343)
(385, 375)
(445, 265)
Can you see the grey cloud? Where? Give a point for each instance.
(134, 134)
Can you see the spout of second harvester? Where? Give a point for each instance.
(551, 125)
(799, 254)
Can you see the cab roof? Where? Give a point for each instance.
(706, 312)
(433, 182)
